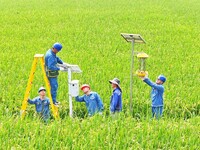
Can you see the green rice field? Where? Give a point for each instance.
(90, 32)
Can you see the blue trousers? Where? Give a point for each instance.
(54, 87)
(157, 112)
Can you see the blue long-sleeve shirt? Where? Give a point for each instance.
(156, 93)
(92, 101)
(116, 101)
(51, 60)
(41, 106)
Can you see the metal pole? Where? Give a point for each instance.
(131, 74)
(70, 97)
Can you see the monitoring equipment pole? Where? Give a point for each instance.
(133, 38)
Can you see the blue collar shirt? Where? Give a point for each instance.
(156, 93)
(51, 60)
(41, 106)
(92, 101)
(116, 101)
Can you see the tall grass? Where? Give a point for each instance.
(90, 34)
(100, 132)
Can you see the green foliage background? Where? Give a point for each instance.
(90, 34)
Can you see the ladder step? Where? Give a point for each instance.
(38, 55)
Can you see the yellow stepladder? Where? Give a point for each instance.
(30, 81)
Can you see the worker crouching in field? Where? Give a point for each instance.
(116, 98)
(92, 100)
(41, 104)
(156, 95)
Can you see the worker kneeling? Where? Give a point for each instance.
(41, 104)
(92, 100)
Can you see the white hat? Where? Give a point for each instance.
(41, 88)
(115, 81)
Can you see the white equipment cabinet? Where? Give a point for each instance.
(74, 88)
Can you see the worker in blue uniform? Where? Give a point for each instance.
(116, 98)
(52, 70)
(92, 100)
(41, 104)
(156, 94)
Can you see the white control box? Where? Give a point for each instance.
(74, 88)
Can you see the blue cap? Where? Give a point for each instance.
(41, 89)
(162, 78)
(57, 46)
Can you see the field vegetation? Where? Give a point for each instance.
(90, 34)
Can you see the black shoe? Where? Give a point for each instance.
(57, 104)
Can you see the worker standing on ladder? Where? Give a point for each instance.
(52, 70)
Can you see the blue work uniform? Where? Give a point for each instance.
(92, 101)
(116, 101)
(156, 97)
(41, 106)
(50, 62)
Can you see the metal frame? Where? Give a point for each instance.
(133, 38)
(70, 68)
